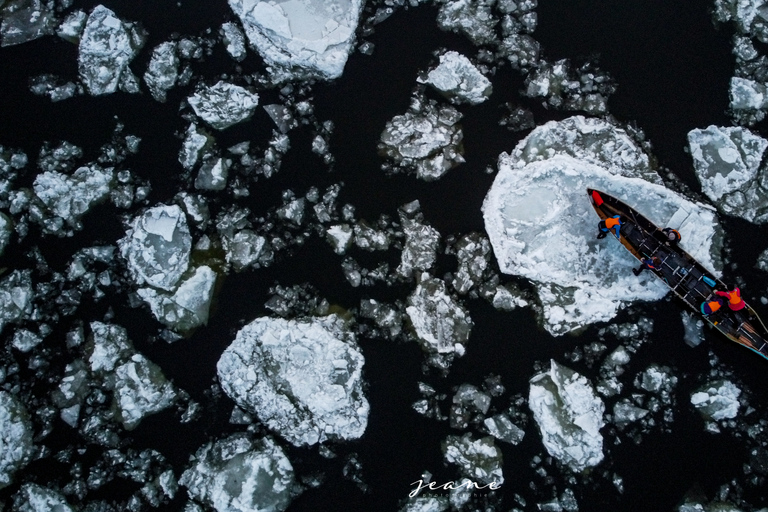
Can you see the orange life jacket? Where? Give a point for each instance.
(733, 296)
(612, 222)
(710, 307)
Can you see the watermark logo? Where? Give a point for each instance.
(449, 486)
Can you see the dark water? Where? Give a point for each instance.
(672, 67)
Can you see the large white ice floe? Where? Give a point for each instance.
(301, 39)
(302, 378)
(238, 474)
(717, 400)
(570, 415)
(542, 225)
(223, 104)
(459, 79)
(16, 446)
(727, 162)
(157, 247)
(107, 47)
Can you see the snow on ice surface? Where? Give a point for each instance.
(459, 79)
(238, 474)
(163, 70)
(301, 39)
(569, 415)
(188, 306)
(727, 162)
(223, 105)
(25, 20)
(6, 228)
(477, 459)
(140, 390)
(157, 247)
(16, 294)
(542, 225)
(302, 378)
(16, 446)
(36, 498)
(718, 400)
(107, 47)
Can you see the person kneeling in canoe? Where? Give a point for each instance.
(611, 223)
(672, 237)
(648, 263)
(734, 298)
(711, 306)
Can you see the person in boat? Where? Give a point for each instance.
(611, 223)
(734, 298)
(711, 306)
(672, 237)
(653, 263)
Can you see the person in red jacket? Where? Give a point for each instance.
(734, 298)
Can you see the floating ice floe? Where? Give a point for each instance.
(223, 105)
(718, 400)
(16, 446)
(569, 415)
(36, 498)
(727, 162)
(25, 20)
(69, 196)
(234, 40)
(478, 459)
(300, 39)
(157, 247)
(421, 241)
(474, 19)
(302, 378)
(238, 474)
(72, 26)
(6, 229)
(459, 79)
(426, 139)
(440, 322)
(542, 225)
(502, 428)
(16, 295)
(107, 47)
(188, 306)
(163, 70)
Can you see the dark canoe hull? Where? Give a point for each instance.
(685, 276)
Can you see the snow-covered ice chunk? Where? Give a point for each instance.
(473, 18)
(727, 162)
(625, 412)
(213, 174)
(141, 389)
(302, 378)
(502, 428)
(441, 323)
(474, 254)
(718, 400)
(107, 47)
(542, 225)
(477, 459)
(157, 247)
(36, 498)
(427, 139)
(694, 329)
(188, 306)
(6, 229)
(69, 197)
(16, 294)
(656, 379)
(339, 236)
(569, 415)
(194, 143)
(459, 79)
(108, 347)
(16, 446)
(301, 39)
(234, 40)
(421, 242)
(25, 340)
(25, 20)
(244, 248)
(224, 104)
(427, 504)
(238, 474)
(163, 70)
(72, 26)
(749, 99)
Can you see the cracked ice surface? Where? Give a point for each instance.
(569, 415)
(302, 378)
(223, 105)
(107, 47)
(727, 162)
(459, 79)
(16, 446)
(301, 39)
(238, 474)
(542, 226)
(157, 247)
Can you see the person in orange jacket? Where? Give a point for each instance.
(711, 306)
(734, 298)
(611, 223)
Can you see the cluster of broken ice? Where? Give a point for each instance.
(421, 241)
(561, 86)
(223, 104)
(240, 474)
(569, 415)
(459, 80)
(478, 459)
(25, 20)
(163, 70)
(542, 225)
(107, 47)
(426, 139)
(16, 448)
(441, 324)
(301, 39)
(36, 498)
(717, 400)
(728, 164)
(302, 378)
(16, 296)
